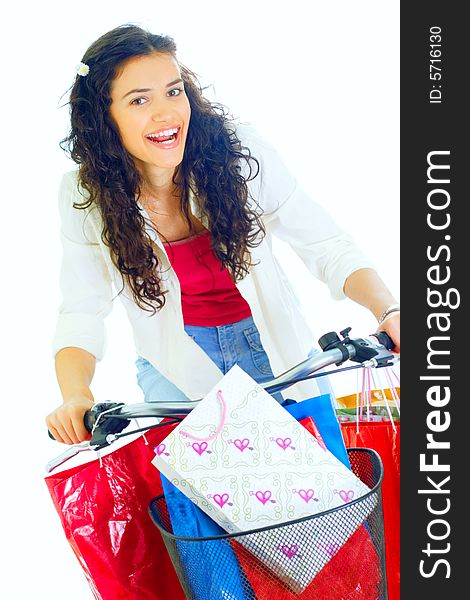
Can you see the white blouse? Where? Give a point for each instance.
(90, 283)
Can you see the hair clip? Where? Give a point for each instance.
(82, 69)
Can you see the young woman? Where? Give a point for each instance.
(172, 209)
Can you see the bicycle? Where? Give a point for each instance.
(107, 422)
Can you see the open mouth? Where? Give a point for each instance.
(165, 138)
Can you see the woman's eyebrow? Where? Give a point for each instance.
(141, 90)
(174, 82)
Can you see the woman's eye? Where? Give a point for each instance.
(176, 92)
(138, 101)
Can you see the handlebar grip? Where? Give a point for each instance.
(384, 339)
(89, 419)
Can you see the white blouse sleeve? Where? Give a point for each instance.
(292, 215)
(84, 278)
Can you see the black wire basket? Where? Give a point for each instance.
(337, 554)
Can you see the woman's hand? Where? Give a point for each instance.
(66, 422)
(391, 325)
(365, 287)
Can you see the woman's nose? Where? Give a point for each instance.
(161, 112)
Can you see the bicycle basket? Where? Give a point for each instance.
(355, 571)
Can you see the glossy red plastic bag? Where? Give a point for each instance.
(382, 437)
(104, 514)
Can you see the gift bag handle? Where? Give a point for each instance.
(210, 437)
(367, 374)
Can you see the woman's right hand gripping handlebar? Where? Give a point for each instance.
(66, 423)
(75, 368)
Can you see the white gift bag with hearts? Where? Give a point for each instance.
(247, 463)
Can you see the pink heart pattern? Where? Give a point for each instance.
(330, 549)
(283, 443)
(289, 551)
(346, 496)
(263, 497)
(160, 449)
(306, 495)
(200, 448)
(241, 444)
(220, 500)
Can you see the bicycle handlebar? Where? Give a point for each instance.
(335, 351)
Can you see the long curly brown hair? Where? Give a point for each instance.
(211, 168)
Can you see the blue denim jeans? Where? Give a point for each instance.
(226, 345)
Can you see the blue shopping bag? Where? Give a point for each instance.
(323, 413)
(211, 566)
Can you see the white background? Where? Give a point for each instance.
(320, 80)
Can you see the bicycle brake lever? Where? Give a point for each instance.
(68, 454)
(372, 354)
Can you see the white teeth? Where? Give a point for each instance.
(155, 136)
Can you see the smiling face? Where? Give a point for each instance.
(152, 113)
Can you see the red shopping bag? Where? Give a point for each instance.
(104, 513)
(382, 437)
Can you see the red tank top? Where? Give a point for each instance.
(208, 295)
